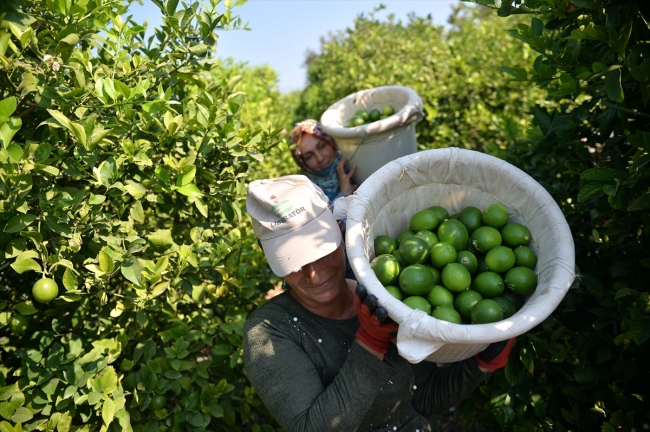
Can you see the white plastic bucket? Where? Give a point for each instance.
(454, 179)
(371, 146)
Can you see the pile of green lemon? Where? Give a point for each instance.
(362, 116)
(473, 267)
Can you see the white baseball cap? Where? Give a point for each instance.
(293, 221)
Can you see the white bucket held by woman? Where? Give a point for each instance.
(454, 179)
(371, 146)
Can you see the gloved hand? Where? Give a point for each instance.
(376, 329)
(495, 356)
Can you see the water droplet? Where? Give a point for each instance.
(320, 340)
(415, 387)
(295, 318)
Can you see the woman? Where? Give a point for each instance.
(320, 160)
(319, 355)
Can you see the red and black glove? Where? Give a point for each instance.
(495, 356)
(376, 329)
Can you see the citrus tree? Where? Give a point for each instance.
(123, 162)
(467, 101)
(583, 368)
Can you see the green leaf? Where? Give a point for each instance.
(516, 72)
(8, 105)
(200, 205)
(108, 411)
(69, 280)
(136, 190)
(131, 270)
(187, 175)
(7, 410)
(9, 129)
(227, 210)
(641, 203)
(105, 262)
(68, 42)
(589, 189)
(600, 174)
(23, 265)
(136, 212)
(160, 288)
(170, 8)
(613, 86)
(161, 240)
(15, 152)
(22, 415)
(43, 152)
(190, 191)
(26, 308)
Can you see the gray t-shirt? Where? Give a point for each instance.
(313, 377)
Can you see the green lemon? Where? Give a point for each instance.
(481, 267)
(428, 236)
(495, 215)
(384, 245)
(18, 324)
(414, 250)
(485, 238)
(417, 302)
(356, 121)
(525, 257)
(447, 313)
(158, 402)
(465, 301)
(436, 273)
(374, 115)
(386, 268)
(440, 296)
(467, 259)
(488, 284)
(363, 114)
(441, 254)
(521, 280)
(401, 236)
(443, 215)
(500, 259)
(486, 311)
(388, 110)
(515, 234)
(416, 280)
(472, 218)
(395, 292)
(506, 306)
(424, 220)
(455, 277)
(453, 232)
(45, 290)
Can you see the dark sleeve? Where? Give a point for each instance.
(286, 380)
(441, 388)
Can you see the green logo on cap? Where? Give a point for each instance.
(282, 208)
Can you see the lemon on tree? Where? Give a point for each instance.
(158, 402)
(384, 245)
(45, 290)
(515, 234)
(417, 302)
(453, 232)
(414, 250)
(455, 277)
(386, 268)
(416, 280)
(447, 313)
(486, 311)
(18, 324)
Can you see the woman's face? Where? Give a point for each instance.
(316, 152)
(318, 284)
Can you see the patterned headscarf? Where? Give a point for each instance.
(311, 127)
(327, 179)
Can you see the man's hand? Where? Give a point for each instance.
(376, 330)
(495, 356)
